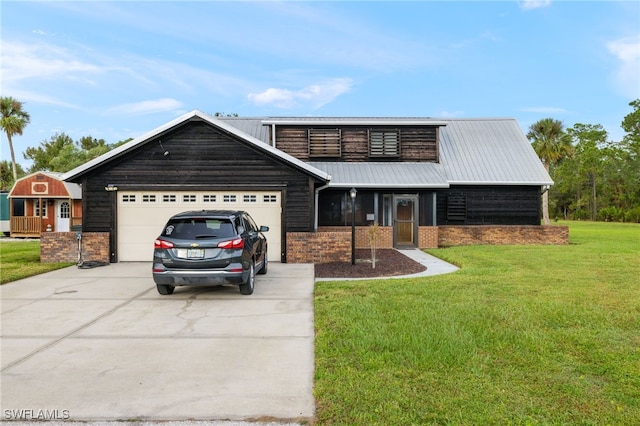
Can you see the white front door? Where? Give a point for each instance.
(63, 213)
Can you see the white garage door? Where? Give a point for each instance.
(142, 214)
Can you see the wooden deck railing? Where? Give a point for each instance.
(27, 225)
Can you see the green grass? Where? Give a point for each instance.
(22, 259)
(530, 335)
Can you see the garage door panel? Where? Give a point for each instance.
(142, 214)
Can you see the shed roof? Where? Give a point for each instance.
(22, 189)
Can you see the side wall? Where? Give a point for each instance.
(63, 247)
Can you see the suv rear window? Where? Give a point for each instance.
(188, 228)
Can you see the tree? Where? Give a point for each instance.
(61, 153)
(13, 120)
(6, 174)
(589, 140)
(552, 144)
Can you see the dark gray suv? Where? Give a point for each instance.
(209, 247)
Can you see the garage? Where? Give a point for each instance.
(142, 214)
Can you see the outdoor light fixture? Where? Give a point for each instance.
(111, 187)
(353, 194)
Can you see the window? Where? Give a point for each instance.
(229, 199)
(189, 198)
(37, 208)
(324, 142)
(249, 199)
(270, 199)
(384, 143)
(169, 198)
(209, 198)
(457, 207)
(148, 198)
(128, 198)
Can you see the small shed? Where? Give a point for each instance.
(42, 202)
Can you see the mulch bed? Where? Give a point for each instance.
(389, 263)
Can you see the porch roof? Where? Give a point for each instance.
(383, 175)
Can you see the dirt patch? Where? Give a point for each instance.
(389, 263)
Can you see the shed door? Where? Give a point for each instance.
(142, 214)
(63, 213)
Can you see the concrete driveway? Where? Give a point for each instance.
(101, 344)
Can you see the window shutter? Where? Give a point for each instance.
(324, 142)
(384, 143)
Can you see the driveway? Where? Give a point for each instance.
(101, 344)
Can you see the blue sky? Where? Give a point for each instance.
(119, 69)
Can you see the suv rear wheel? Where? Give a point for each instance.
(247, 287)
(165, 289)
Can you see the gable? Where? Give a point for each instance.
(44, 184)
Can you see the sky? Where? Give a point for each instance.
(116, 70)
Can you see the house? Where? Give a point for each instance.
(42, 202)
(415, 177)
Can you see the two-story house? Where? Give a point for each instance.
(410, 175)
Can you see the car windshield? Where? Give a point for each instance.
(191, 228)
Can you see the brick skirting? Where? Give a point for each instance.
(333, 244)
(500, 235)
(63, 247)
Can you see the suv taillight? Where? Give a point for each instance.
(162, 244)
(238, 243)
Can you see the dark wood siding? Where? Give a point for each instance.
(200, 157)
(418, 143)
(493, 205)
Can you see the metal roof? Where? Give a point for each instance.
(489, 152)
(474, 151)
(383, 175)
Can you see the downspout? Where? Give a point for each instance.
(273, 135)
(317, 196)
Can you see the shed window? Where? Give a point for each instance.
(44, 208)
(384, 143)
(457, 207)
(65, 210)
(324, 142)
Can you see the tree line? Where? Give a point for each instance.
(595, 179)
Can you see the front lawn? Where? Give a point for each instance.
(21, 259)
(520, 335)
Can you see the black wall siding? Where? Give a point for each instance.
(493, 205)
(200, 157)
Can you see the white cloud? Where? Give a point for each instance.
(534, 4)
(314, 96)
(147, 107)
(627, 75)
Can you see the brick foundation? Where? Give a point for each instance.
(63, 247)
(333, 244)
(499, 235)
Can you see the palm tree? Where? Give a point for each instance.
(552, 144)
(12, 120)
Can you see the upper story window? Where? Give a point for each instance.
(324, 142)
(384, 143)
